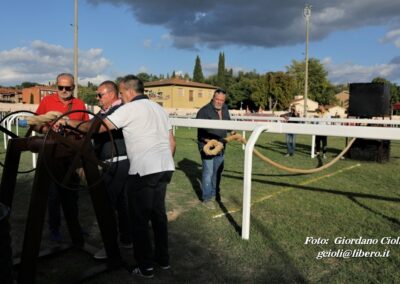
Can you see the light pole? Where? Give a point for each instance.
(76, 49)
(307, 15)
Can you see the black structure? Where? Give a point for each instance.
(52, 148)
(6, 270)
(370, 150)
(369, 100)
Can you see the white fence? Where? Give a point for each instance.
(371, 129)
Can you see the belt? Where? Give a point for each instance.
(116, 159)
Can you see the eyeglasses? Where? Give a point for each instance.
(67, 88)
(99, 95)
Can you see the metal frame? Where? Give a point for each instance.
(391, 132)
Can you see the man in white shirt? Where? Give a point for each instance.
(150, 147)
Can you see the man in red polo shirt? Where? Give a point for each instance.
(62, 101)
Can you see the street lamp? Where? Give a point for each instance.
(307, 15)
(76, 49)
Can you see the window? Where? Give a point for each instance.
(190, 95)
(200, 95)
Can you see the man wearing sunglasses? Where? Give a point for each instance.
(150, 147)
(62, 101)
(107, 97)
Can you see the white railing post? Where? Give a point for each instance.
(244, 136)
(248, 164)
(313, 147)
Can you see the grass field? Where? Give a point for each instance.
(351, 199)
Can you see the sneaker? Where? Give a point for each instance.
(101, 254)
(145, 273)
(324, 156)
(165, 267)
(209, 204)
(287, 155)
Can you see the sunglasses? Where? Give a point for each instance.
(99, 95)
(67, 88)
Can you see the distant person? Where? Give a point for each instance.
(322, 113)
(291, 138)
(62, 101)
(115, 178)
(212, 166)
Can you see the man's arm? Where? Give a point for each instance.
(84, 126)
(172, 142)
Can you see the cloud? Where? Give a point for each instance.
(356, 73)
(41, 62)
(265, 23)
(392, 36)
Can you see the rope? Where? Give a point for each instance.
(239, 138)
(42, 119)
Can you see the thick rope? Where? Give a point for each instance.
(239, 138)
(43, 119)
(213, 147)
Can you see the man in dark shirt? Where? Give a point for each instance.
(212, 165)
(115, 178)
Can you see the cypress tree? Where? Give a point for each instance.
(221, 70)
(197, 71)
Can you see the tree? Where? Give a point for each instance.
(274, 89)
(173, 74)
(319, 88)
(394, 89)
(88, 94)
(221, 71)
(197, 71)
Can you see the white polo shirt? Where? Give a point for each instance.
(145, 126)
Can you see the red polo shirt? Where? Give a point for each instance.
(53, 103)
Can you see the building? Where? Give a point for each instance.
(34, 95)
(337, 111)
(179, 93)
(298, 103)
(343, 99)
(10, 95)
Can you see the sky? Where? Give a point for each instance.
(356, 40)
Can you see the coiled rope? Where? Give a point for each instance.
(213, 147)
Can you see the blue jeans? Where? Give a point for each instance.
(211, 176)
(291, 143)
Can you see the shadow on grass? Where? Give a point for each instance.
(288, 270)
(262, 174)
(300, 148)
(348, 194)
(323, 190)
(391, 219)
(229, 217)
(192, 171)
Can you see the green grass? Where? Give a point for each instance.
(350, 199)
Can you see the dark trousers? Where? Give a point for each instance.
(318, 141)
(69, 200)
(146, 198)
(115, 181)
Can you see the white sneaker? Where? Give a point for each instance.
(209, 204)
(101, 254)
